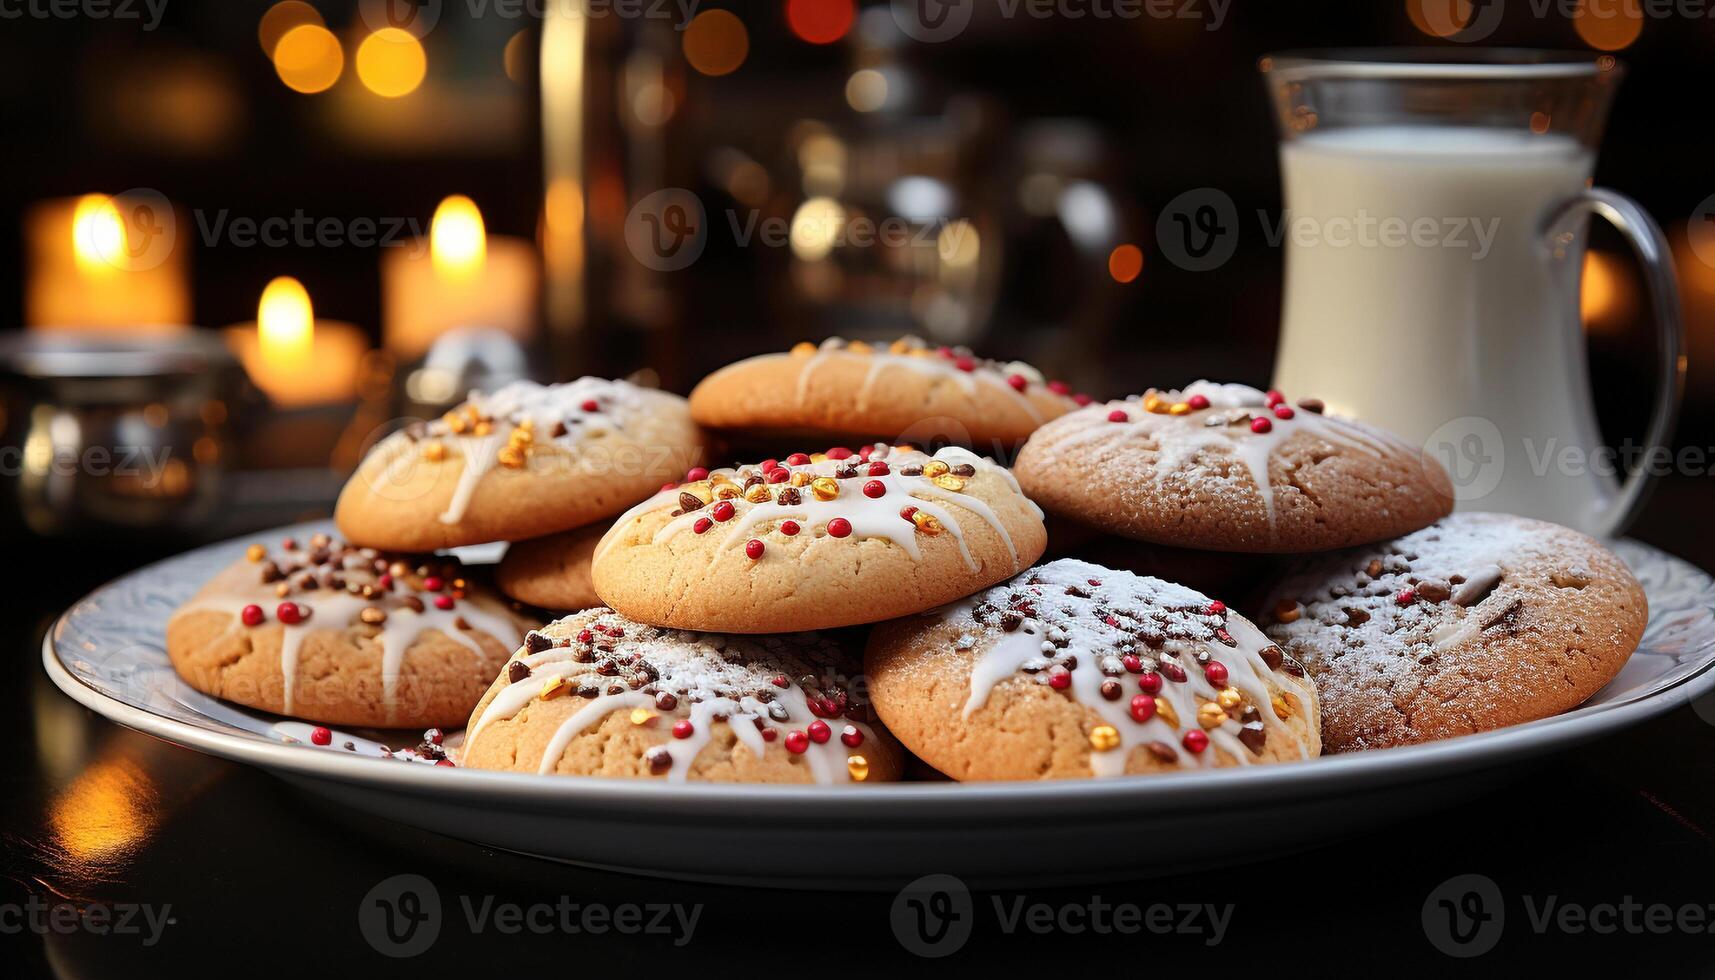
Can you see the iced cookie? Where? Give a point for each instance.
(347, 636)
(1072, 669)
(814, 542)
(1481, 621)
(552, 572)
(525, 461)
(1228, 468)
(907, 391)
(596, 694)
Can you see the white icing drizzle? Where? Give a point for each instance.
(1096, 616)
(714, 680)
(870, 517)
(327, 608)
(917, 356)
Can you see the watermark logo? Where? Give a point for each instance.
(667, 230)
(1463, 917)
(416, 17)
(1700, 231)
(42, 918)
(1199, 229)
(1464, 21)
(147, 12)
(933, 916)
(1473, 452)
(401, 916)
(932, 21)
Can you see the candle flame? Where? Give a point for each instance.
(458, 242)
(98, 235)
(286, 322)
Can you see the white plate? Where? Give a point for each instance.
(106, 652)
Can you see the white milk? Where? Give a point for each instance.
(1466, 320)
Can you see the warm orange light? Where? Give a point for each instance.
(1539, 122)
(517, 56)
(97, 236)
(458, 240)
(820, 21)
(716, 43)
(1609, 26)
(391, 62)
(281, 18)
(1125, 263)
(286, 323)
(309, 59)
(105, 814)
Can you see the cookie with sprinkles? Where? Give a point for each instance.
(552, 572)
(905, 390)
(1225, 467)
(1476, 623)
(1073, 669)
(818, 541)
(524, 461)
(596, 694)
(321, 630)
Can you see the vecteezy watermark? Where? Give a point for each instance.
(146, 12)
(402, 917)
(933, 917)
(419, 17)
(301, 230)
(1465, 916)
(146, 464)
(1464, 21)
(43, 918)
(934, 21)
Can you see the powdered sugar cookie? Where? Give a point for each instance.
(1228, 468)
(818, 541)
(552, 572)
(1072, 669)
(1481, 621)
(525, 461)
(596, 694)
(904, 391)
(347, 636)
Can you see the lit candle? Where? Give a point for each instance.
(469, 278)
(293, 357)
(98, 263)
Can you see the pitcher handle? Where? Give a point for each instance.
(1651, 248)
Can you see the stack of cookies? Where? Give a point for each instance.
(827, 616)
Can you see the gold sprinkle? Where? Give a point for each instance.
(1230, 697)
(825, 488)
(1286, 611)
(522, 437)
(859, 347)
(905, 447)
(926, 523)
(527, 424)
(1104, 738)
(434, 452)
(1282, 706)
(818, 457)
(758, 494)
(803, 349)
(482, 428)
(946, 482)
(373, 615)
(858, 767)
(801, 478)
(900, 346)
(554, 688)
(511, 457)
(1154, 404)
(727, 491)
(1179, 408)
(935, 468)
(255, 553)
(642, 716)
(1164, 711)
(456, 422)
(1210, 715)
(700, 491)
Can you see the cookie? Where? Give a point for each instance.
(1072, 669)
(552, 572)
(1225, 467)
(907, 391)
(596, 694)
(525, 461)
(330, 633)
(818, 541)
(1476, 623)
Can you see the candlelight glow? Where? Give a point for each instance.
(286, 322)
(458, 242)
(97, 235)
(282, 17)
(391, 63)
(309, 59)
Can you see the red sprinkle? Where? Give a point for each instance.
(1133, 663)
(1283, 412)
(839, 452)
(585, 636)
(702, 525)
(683, 728)
(591, 405)
(879, 468)
(908, 513)
(770, 464)
(385, 581)
(1261, 425)
(288, 613)
(723, 511)
(1275, 397)
(1059, 387)
(1142, 707)
(779, 475)
(780, 681)
(1406, 597)
(443, 602)
(875, 488)
(797, 459)
(445, 762)
(770, 734)
(797, 742)
(433, 584)
(789, 528)
(668, 486)
(1060, 680)
(1195, 740)
(753, 549)
(1082, 399)
(1150, 682)
(819, 731)
(1118, 416)
(1217, 607)
(1198, 402)
(851, 737)
(965, 364)
(1018, 382)
(434, 736)
(696, 473)
(839, 527)
(1216, 672)
(253, 615)
(321, 736)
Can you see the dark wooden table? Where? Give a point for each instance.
(125, 856)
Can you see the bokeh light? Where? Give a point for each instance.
(1609, 26)
(1125, 263)
(309, 59)
(97, 235)
(517, 56)
(285, 321)
(866, 90)
(716, 43)
(816, 228)
(281, 18)
(1438, 18)
(820, 21)
(391, 62)
(458, 239)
